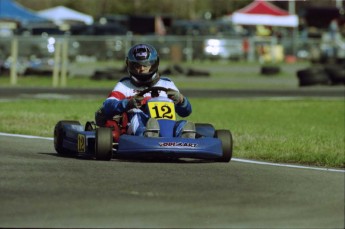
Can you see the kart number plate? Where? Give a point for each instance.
(81, 143)
(162, 110)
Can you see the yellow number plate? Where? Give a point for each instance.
(162, 110)
(81, 143)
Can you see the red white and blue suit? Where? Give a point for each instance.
(124, 90)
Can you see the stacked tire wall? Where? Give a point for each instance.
(322, 74)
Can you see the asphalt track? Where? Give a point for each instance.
(38, 188)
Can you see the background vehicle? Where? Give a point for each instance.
(223, 48)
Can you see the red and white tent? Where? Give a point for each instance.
(260, 12)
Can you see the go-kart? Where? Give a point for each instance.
(102, 143)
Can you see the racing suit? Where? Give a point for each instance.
(117, 101)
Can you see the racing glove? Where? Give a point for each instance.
(134, 102)
(175, 96)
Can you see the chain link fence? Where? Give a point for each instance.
(33, 54)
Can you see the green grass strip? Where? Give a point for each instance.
(308, 131)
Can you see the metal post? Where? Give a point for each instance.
(189, 54)
(128, 42)
(251, 51)
(292, 11)
(339, 4)
(274, 42)
(56, 63)
(64, 62)
(292, 7)
(14, 57)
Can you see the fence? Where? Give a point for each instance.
(54, 53)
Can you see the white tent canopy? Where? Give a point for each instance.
(60, 14)
(260, 12)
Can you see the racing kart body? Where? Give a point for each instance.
(73, 139)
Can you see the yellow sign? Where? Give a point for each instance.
(162, 110)
(81, 143)
(8, 25)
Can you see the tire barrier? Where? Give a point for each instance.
(38, 72)
(173, 70)
(336, 74)
(109, 74)
(322, 75)
(315, 75)
(189, 72)
(117, 74)
(269, 70)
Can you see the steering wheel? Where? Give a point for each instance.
(154, 91)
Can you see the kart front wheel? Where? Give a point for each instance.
(226, 138)
(104, 144)
(59, 134)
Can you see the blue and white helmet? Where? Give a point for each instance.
(143, 55)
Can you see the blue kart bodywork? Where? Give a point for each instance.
(205, 147)
(74, 140)
(71, 138)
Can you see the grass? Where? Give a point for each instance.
(222, 75)
(306, 131)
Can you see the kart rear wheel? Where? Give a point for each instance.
(59, 134)
(226, 138)
(104, 144)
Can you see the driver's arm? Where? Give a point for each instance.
(113, 106)
(118, 100)
(184, 109)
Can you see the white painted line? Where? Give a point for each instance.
(233, 159)
(287, 165)
(24, 136)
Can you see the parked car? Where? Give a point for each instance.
(223, 48)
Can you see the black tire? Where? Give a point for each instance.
(227, 144)
(336, 74)
(59, 134)
(104, 144)
(196, 72)
(269, 70)
(313, 76)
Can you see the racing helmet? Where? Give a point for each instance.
(143, 55)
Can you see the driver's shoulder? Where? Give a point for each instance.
(164, 78)
(166, 82)
(124, 79)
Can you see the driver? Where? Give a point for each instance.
(142, 65)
